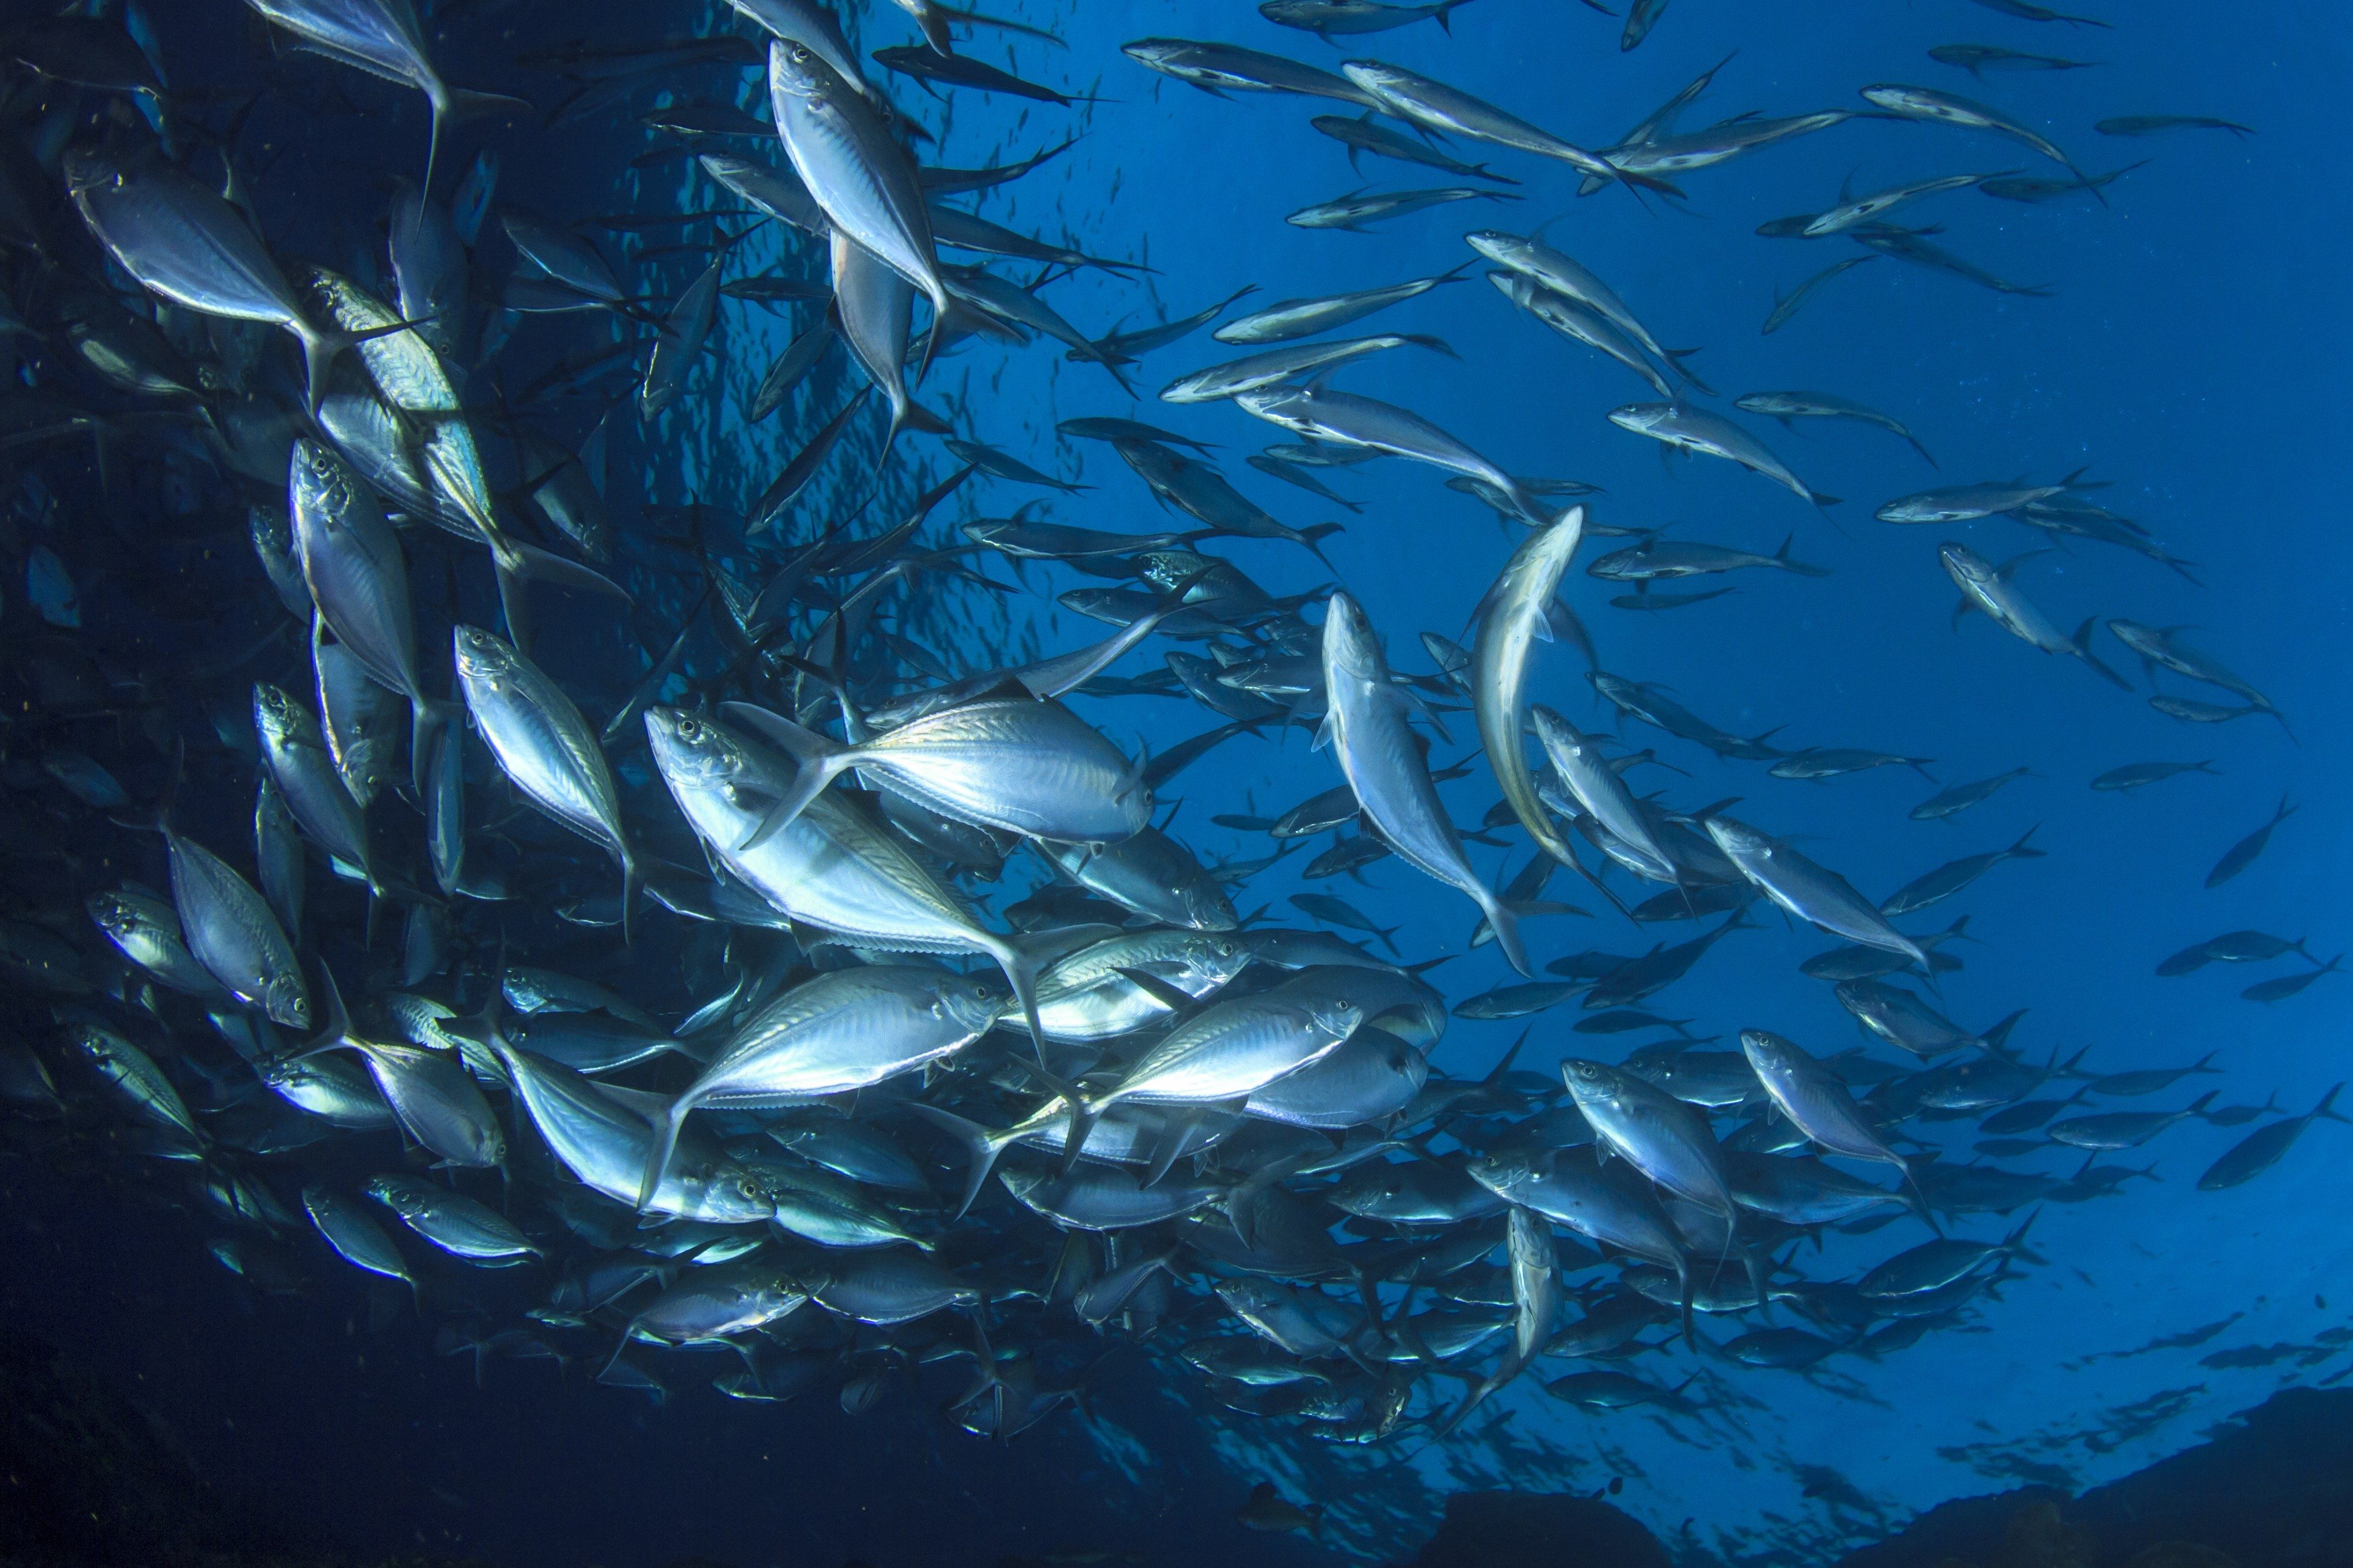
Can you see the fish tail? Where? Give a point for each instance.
(454, 103)
(981, 1147)
(2082, 650)
(1023, 959)
(1916, 1200)
(1503, 919)
(817, 759)
(663, 1148)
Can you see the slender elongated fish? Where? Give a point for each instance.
(1690, 429)
(1357, 208)
(1787, 305)
(1789, 405)
(1366, 730)
(1517, 614)
(1221, 68)
(1345, 418)
(1304, 318)
(1987, 587)
(1276, 365)
(1949, 109)
(1435, 105)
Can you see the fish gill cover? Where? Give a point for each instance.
(991, 731)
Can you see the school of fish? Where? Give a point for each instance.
(842, 991)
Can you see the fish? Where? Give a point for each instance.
(1366, 730)
(2033, 192)
(382, 38)
(1719, 143)
(1449, 110)
(1948, 109)
(2243, 853)
(1990, 588)
(831, 868)
(2287, 985)
(2134, 775)
(2265, 1147)
(1933, 886)
(2151, 124)
(842, 151)
(233, 932)
(1220, 68)
(1860, 210)
(2027, 11)
(1978, 59)
(1359, 207)
(1787, 305)
(1517, 613)
(1365, 134)
(1659, 558)
(1267, 370)
(1813, 1098)
(545, 745)
(1811, 892)
(2161, 646)
(1346, 418)
(1292, 319)
(1789, 405)
(1947, 803)
(184, 243)
(1685, 429)
(841, 1032)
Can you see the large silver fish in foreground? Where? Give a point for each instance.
(1382, 759)
(831, 868)
(185, 243)
(842, 149)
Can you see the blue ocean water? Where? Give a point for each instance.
(2183, 361)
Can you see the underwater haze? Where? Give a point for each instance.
(1116, 783)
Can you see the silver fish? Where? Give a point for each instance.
(1517, 613)
(349, 1229)
(1304, 318)
(843, 151)
(184, 241)
(1265, 370)
(1366, 730)
(147, 931)
(1987, 587)
(453, 1222)
(1693, 429)
(1015, 764)
(1346, 418)
(1435, 105)
(232, 933)
(833, 867)
(841, 1032)
(382, 38)
(1811, 892)
(544, 744)
(1788, 406)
